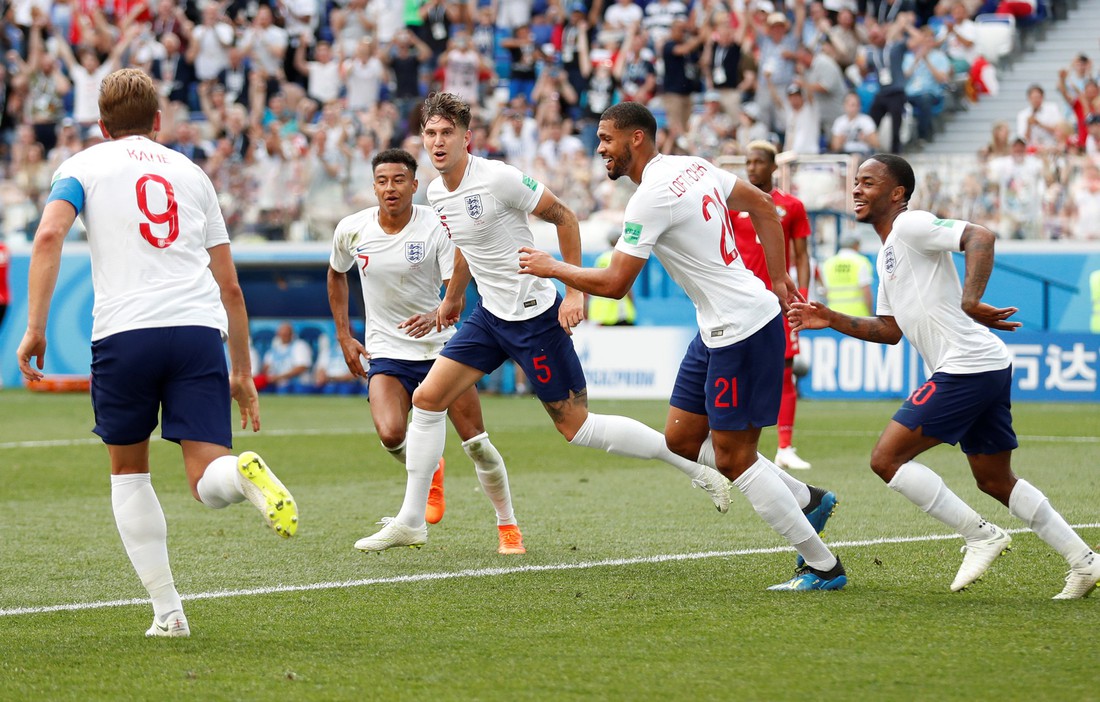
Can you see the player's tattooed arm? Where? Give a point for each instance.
(560, 410)
(977, 244)
(557, 213)
(815, 315)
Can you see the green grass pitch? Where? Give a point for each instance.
(633, 587)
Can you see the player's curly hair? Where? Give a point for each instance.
(448, 106)
(399, 156)
(900, 170)
(631, 115)
(128, 103)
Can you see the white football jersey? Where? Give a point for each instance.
(401, 275)
(919, 287)
(151, 214)
(679, 214)
(486, 218)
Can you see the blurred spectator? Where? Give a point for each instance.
(884, 59)
(1000, 142)
(680, 57)
(1036, 122)
(554, 96)
(854, 132)
(1092, 141)
(330, 373)
(525, 56)
(512, 14)
(751, 128)
(556, 147)
(286, 364)
(265, 43)
(208, 50)
(960, 37)
(607, 312)
(822, 81)
(777, 48)
(847, 277)
(1019, 177)
(462, 68)
(186, 142)
(927, 71)
(709, 129)
(847, 37)
(516, 135)
(721, 62)
(88, 73)
(45, 85)
(405, 58)
(437, 17)
(660, 15)
(635, 67)
(322, 73)
(1084, 204)
(1081, 103)
(803, 125)
(621, 17)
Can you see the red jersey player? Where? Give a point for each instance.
(759, 167)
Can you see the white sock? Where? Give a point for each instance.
(799, 489)
(492, 475)
(144, 533)
(629, 437)
(774, 503)
(398, 452)
(1028, 504)
(424, 442)
(219, 487)
(926, 489)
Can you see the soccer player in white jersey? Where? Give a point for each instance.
(731, 379)
(166, 294)
(967, 399)
(403, 256)
(483, 206)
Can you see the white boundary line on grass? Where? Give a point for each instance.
(485, 572)
(51, 443)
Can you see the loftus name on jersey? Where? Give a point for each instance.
(687, 178)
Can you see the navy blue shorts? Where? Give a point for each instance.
(539, 345)
(409, 373)
(738, 386)
(973, 410)
(178, 371)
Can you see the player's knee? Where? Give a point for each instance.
(998, 487)
(426, 398)
(884, 464)
(391, 437)
(683, 446)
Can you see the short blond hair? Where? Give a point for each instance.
(128, 103)
(761, 145)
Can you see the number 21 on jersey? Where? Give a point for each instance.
(715, 206)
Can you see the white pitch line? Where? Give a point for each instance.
(486, 572)
(52, 443)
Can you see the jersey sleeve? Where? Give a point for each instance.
(925, 233)
(882, 303)
(444, 251)
(647, 217)
(513, 188)
(68, 185)
(216, 231)
(340, 257)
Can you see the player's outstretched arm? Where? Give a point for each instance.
(454, 299)
(614, 281)
(241, 385)
(57, 219)
(746, 197)
(977, 244)
(554, 211)
(338, 304)
(816, 315)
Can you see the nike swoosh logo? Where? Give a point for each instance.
(158, 625)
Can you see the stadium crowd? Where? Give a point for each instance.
(284, 103)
